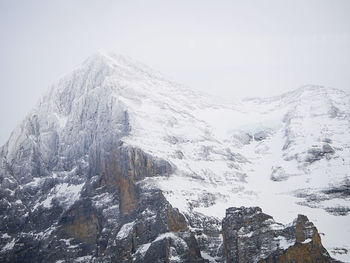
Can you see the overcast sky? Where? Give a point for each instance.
(229, 48)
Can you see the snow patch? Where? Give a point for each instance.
(61, 120)
(5, 236)
(9, 245)
(125, 230)
(307, 241)
(66, 194)
(142, 250)
(208, 257)
(284, 243)
(83, 259)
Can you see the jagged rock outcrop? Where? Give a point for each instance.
(115, 220)
(253, 236)
(208, 235)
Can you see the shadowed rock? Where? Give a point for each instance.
(252, 236)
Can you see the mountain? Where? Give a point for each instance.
(118, 164)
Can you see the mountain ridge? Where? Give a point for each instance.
(111, 122)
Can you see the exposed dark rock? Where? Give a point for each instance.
(317, 153)
(113, 221)
(339, 191)
(261, 135)
(340, 251)
(326, 148)
(334, 112)
(315, 197)
(327, 140)
(252, 236)
(82, 222)
(278, 174)
(208, 235)
(338, 210)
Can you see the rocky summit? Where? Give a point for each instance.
(116, 163)
(252, 236)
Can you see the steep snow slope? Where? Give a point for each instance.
(287, 154)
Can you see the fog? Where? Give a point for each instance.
(231, 48)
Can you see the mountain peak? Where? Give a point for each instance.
(122, 65)
(114, 147)
(317, 89)
(109, 58)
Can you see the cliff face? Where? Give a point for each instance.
(114, 220)
(252, 236)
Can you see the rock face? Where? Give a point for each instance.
(72, 190)
(115, 220)
(252, 236)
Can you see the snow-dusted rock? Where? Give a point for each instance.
(114, 142)
(252, 236)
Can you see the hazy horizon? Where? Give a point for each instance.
(233, 49)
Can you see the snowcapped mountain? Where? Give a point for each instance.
(117, 163)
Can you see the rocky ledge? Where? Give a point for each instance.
(250, 235)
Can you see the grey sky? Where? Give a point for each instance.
(230, 48)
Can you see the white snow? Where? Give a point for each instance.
(248, 235)
(142, 250)
(5, 236)
(207, 256)
(67, 241)
(284, 243)
(276, 226)
(66, 194)
(9, 245)
(174, 237)
(83, 259)
(62, 120)
(308, 240)
(206, 147)
(125, 230)
(35, 182)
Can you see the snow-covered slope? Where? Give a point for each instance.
(287, 154)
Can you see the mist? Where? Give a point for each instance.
(231, 49)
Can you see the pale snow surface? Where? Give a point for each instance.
(213, 164)
(125, 230)
(284, 243)
(142, 250)
(9, 245)
(5, 236)
(307, 241)
(66, 194)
